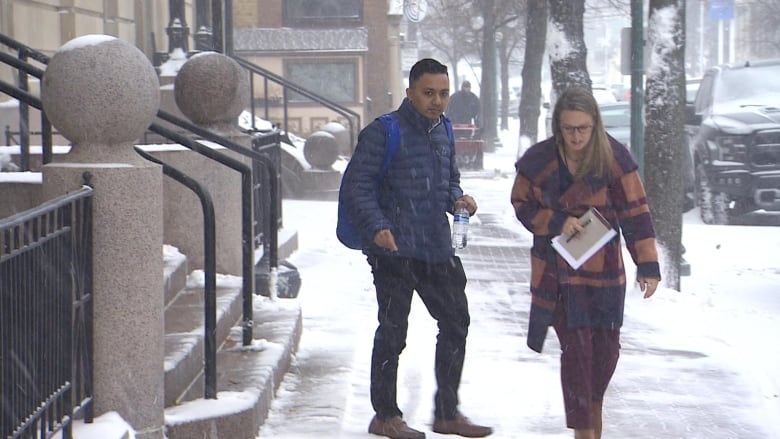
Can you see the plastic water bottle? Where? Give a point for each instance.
(460, 228)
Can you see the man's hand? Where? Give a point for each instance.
(467, 202)
(385, 239)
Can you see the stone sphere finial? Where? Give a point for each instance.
(100, 90)
(212, 90)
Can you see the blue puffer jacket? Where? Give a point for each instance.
(419, 188)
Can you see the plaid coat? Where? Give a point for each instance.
(593, 295)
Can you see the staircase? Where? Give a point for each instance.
(248, 376)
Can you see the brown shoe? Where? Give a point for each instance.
(461, 426)
(394, 428)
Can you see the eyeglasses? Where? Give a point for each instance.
(582, 129)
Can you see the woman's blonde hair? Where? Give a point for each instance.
(598, 153)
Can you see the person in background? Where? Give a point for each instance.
(408, 246)
(464, 106)
(557, 180)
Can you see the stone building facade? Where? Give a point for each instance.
(345, 50)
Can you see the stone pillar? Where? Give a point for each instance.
(101, 93)
(396, 86)
(211, 90)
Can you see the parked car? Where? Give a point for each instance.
(691, 87)
(617, 121)
(621, 92)
(734, 140)
(601, 93)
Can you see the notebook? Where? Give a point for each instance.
(578, 248)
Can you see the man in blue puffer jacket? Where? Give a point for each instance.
(407, 242)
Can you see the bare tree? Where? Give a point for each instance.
(566, 45)
(531, 92)
(449, 28)
(766, 32)
(461, 29)
(511, 39)
(664, 130)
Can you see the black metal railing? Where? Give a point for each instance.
(21, 63)
(250, 185)
(13, 137)
(265, 183)
(46, 328)
(209, 272)
(265, 76)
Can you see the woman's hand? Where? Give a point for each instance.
(571, 227)
(648, 285)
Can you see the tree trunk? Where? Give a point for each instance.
(488, 89)
(504, 69)
(531, 92)
(664, 130)
(567, 51)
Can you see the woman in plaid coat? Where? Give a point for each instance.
(557, 181)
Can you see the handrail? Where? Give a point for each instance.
(21, 95)
(32, 53)
(352, 117)
(209, 270)
(46, 132)
(25, 68)
(246, 209)
(265, 162)
(21, 65)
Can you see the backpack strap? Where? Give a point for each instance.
(392, 141)
(450, 133)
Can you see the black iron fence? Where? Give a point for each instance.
(46, 317)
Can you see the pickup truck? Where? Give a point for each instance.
(733, 129)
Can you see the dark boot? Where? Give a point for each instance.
(461, 426)
(394, 428)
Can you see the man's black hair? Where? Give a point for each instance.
(423, 66)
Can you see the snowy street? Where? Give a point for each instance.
(696, 364)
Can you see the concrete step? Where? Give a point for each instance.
(174, 272)
(184, 339)
(248, 377)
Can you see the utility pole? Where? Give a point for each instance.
(637, 85)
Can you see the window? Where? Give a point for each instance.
(322, 12)
(335, 80)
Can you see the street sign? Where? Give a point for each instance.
(721, 9)
(415, 10)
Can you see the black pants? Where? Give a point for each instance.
(442, 289)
